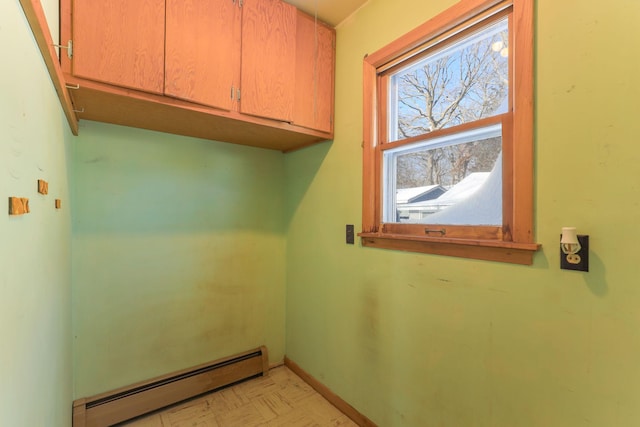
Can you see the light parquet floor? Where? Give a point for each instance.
(279, 399)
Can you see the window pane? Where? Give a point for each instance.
(455, 180)
(463, 82)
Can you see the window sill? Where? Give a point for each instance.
(488, 250)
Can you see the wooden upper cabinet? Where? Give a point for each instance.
(228, 70)
(268, 59)
(120, 42)
(315, 65)
(203, 45)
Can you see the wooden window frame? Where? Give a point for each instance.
(513, 242)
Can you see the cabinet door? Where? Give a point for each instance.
(268, 59)
(120, 42)
(203, 51)
(315, 65)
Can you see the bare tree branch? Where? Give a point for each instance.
(463, 86)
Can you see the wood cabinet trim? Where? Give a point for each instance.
(40, 29)
(112, 104)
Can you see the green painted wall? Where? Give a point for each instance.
(35, 249)
(182, 249)
(423, 340)
(178, 254)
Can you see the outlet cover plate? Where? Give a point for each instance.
(583, 265)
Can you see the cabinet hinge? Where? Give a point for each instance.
(69, 48)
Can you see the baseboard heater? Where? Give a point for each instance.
(129, 402)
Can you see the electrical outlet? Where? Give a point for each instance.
(583, 256)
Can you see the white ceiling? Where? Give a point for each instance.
(330, 11)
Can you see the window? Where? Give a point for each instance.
(448, 136)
